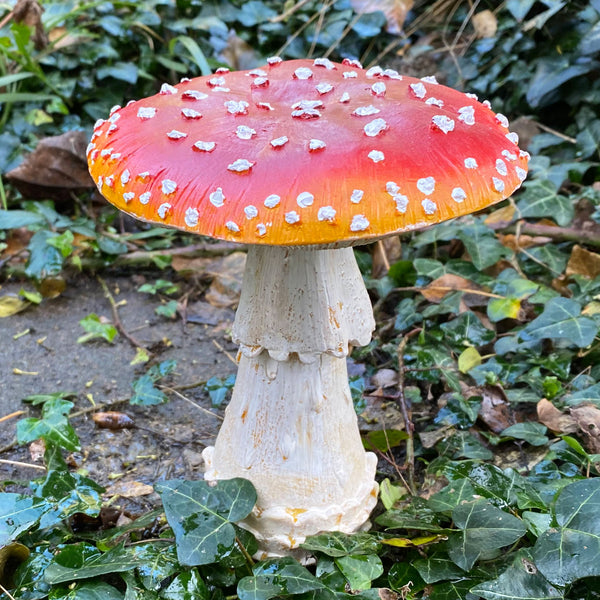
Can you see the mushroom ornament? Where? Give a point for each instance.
(301, 160)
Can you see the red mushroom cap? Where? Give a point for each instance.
(305, 152)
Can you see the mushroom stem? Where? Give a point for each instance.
(290, 427)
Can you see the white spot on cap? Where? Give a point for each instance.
(305, 199)
(501, 167)
(144, 175)
(498, 184)
(260, 82)
(374, 71)
(146, 112)
(216, 81)
(194, 95)
(376, 156)
(190, 113)
(443, 123)
(244, 132)
(272, 200)
(274, 60)
(429, 206)
(205, 146)
(401, 202)
(100, 182)
(418, 89)
(471, 95)
(99, 123)
(168, 186)
(292, 217)
(106, 152)
(111, 129)
(233, 227)
(512, 137)
(315, 144)
(251, 211)
(326, 213)
(429, 79)
(306, 109)
(176, 135)
(434, 102)
(217, 198)
(345, 97)
(167, 89)
(280, 141)
(191, 217)
(114, 109)
(261, 229)
(324, 88)
(236, 108)
(125, 176)
(257, 73)
(500, 118)
(349, 74)
(426, 185)
(109, 181)
(509, 155)
(163, 209)
(391, 74)
(458, 194)
(466, 114)
(240, 165)
(145, 197)
(352, 62)
(391, 187)
(264, 105)
(356, 196)
(375, 127)
(521, 173)
(114, 117)
(365, 111)
(303, 73)
(128, 197)
(379, 89)
(222, 70)
(90, 147)
(115, 156)
(220, 88)
(471, 163)
(359, 223)
(324, 62)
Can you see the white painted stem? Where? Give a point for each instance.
(290, 427)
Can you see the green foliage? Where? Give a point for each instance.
(145, 391)
(219, 388)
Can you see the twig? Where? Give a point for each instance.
(558, 134)
(17, 413)
(289, 12)
(194, 404)
(562, 234)
(225, 352)
(245, 552)
(16, 463)
(116, 319)
(3, 589)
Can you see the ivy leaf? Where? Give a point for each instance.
(531, 432)
(276, 577)
(570, 551)
(17, 514)
(339, 544)
(540, 199)
(562, 320)
(521, 580)
(360, 569)
(437, 569)
(202, 516)
(90, 590)
(483, 527)
(186, 586)
(482, 245)
(45, 259)
(96, 328)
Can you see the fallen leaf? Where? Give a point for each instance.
(55, 168)
(495, 409)
(554, 419)
(430, 438)
(30, 12)
(468, 359)
(485, 24)
(385, 253)
(521, 242)
(11, 556)
(438, 288)
(395, 11)
(587, 417)
(238, 54)
(226, 286)
(113, 420)
(583, 262)
(37, 450)
(129, 489)
(414, 542)
(501, 215)
(11, 305)
(384, 378)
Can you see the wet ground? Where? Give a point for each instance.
(40, 355)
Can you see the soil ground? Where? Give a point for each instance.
(39, 354)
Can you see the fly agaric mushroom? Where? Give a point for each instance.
(301, 160)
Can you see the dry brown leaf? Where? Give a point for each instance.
(554, 419)
(395, 11)
(227, 275)
(385, 253)
(521, 242)
(583, 262)
(113, 420)
(438, 288)
(485, 24)
(129, 489)
(238, 54)
(55, 168)
(587, 417)
(30, 12)
(385, 378)
(495, 410)
(11, 305)
(501, 215)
